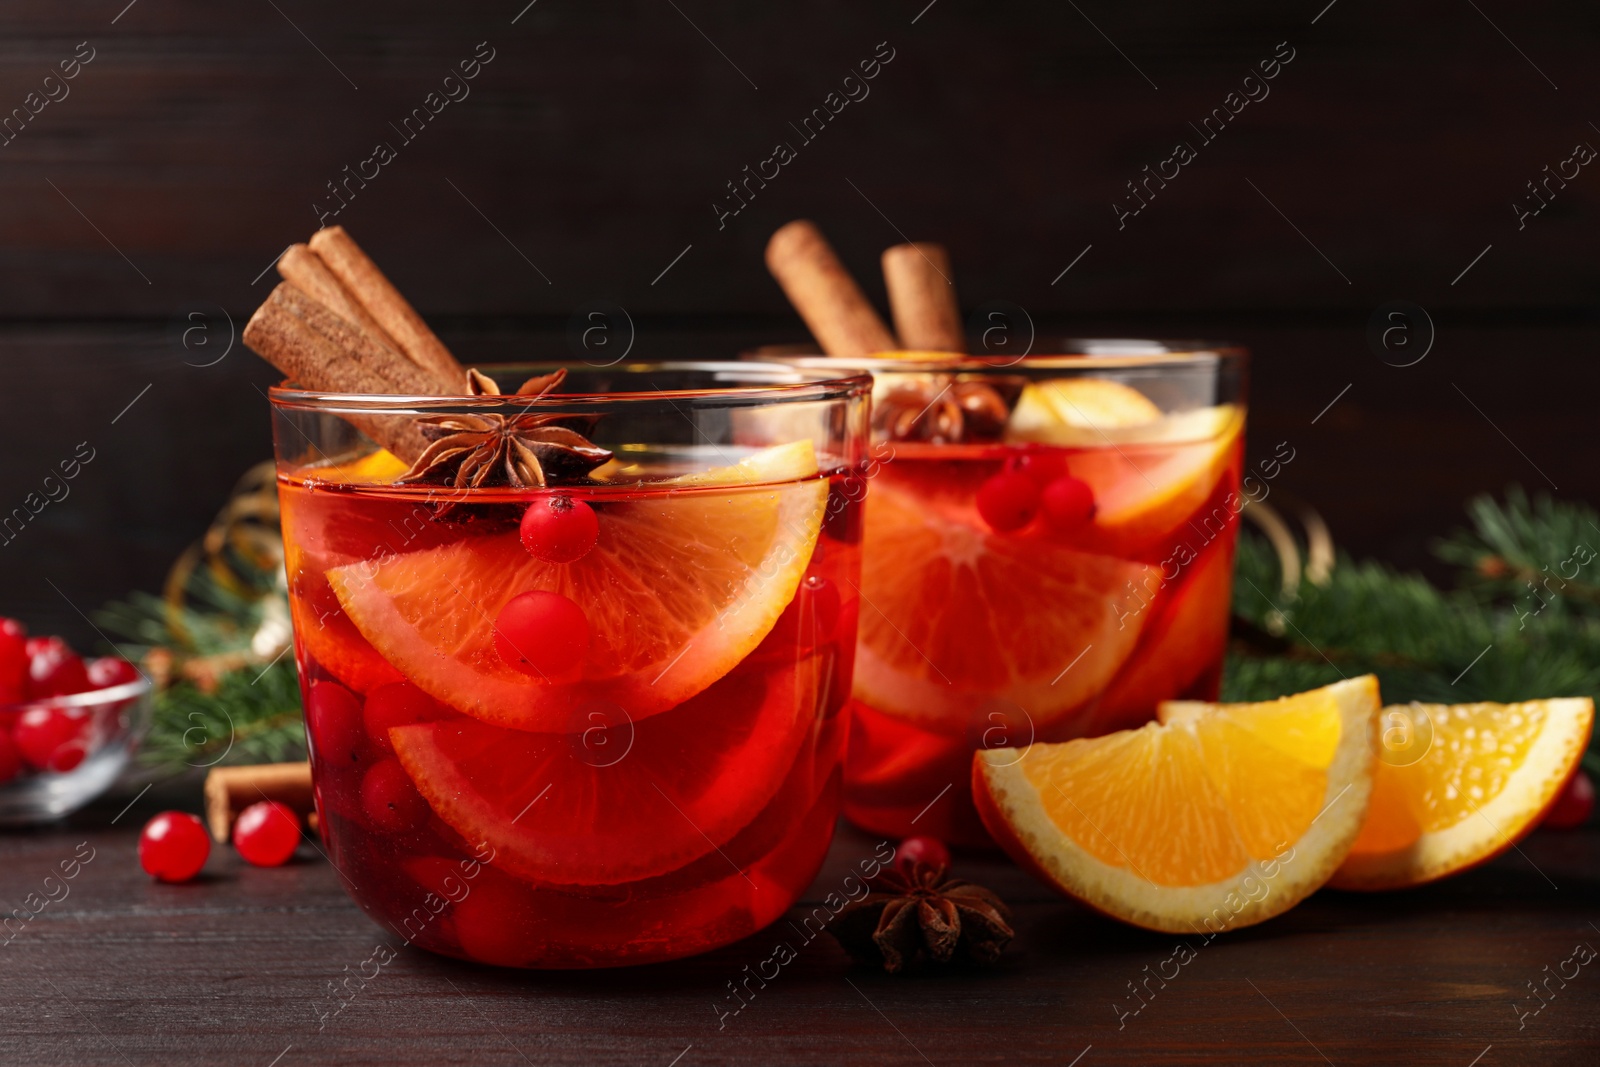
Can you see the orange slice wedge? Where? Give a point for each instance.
(680, 587)
(1067, 411)
(1217, 818)
(1459, 784)
(620, 800)
(957, 622)
(1145, 492)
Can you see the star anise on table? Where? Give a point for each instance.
(940, 409)
(918, 911)
(527, 450)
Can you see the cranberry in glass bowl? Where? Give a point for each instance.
(67, 726)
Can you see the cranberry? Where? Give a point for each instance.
(396, 704)
(390, 800)
(54, 669)
(107, 671)
(558, 529)
(333, 719)
(10, 757)
(1008, 501)
(173, 847)
(542, 633)
(54, 739)
(1573, 805)
(266, 833)
(928, 850)
(13, 661)
(1042, 466)
(1067, 503)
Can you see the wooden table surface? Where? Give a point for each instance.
(236, 969)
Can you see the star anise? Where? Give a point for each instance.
(917, 911)
(940, 409)
(526, 450)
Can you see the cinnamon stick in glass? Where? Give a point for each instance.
(317, 349)
(922, 297)
(824, 293)
(397, 318)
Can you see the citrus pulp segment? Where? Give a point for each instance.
(1224, 816)
(679, 588)
(1479, 778)
(955, 618)
(619, 800)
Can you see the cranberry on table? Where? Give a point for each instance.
(1573, 805)
(389, 798)
(558, 529)
(928, 850)
(396, 704)
(107, 671)
(542, 633)
(10, 757)
(13, 661)
(267, 833)
(1067, 503)
(173, 847)
(53, 739)
(1008, 501)
(54, 669)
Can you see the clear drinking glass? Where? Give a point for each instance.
(1048, 554)
(651, 767)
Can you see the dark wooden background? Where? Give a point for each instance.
(137, 216)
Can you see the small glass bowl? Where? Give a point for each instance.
(91, 735)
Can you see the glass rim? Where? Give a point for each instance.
(1085, 354)
(87, 699)
(789, 384)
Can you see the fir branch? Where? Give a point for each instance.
(1528, 556)
(251, 718)
(1478, 642)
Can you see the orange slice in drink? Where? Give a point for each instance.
(617, 800)
(1145, 492)
(1186, 636)
(1150, 472)
(679, 588)
(1459, 784)
(1072, 411)
(958, 623)
(1217, 818)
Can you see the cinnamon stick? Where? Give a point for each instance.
(317, 349)
(824, 293)
(310, 274)
(922, 297)
(397, 318)
(229, 790)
